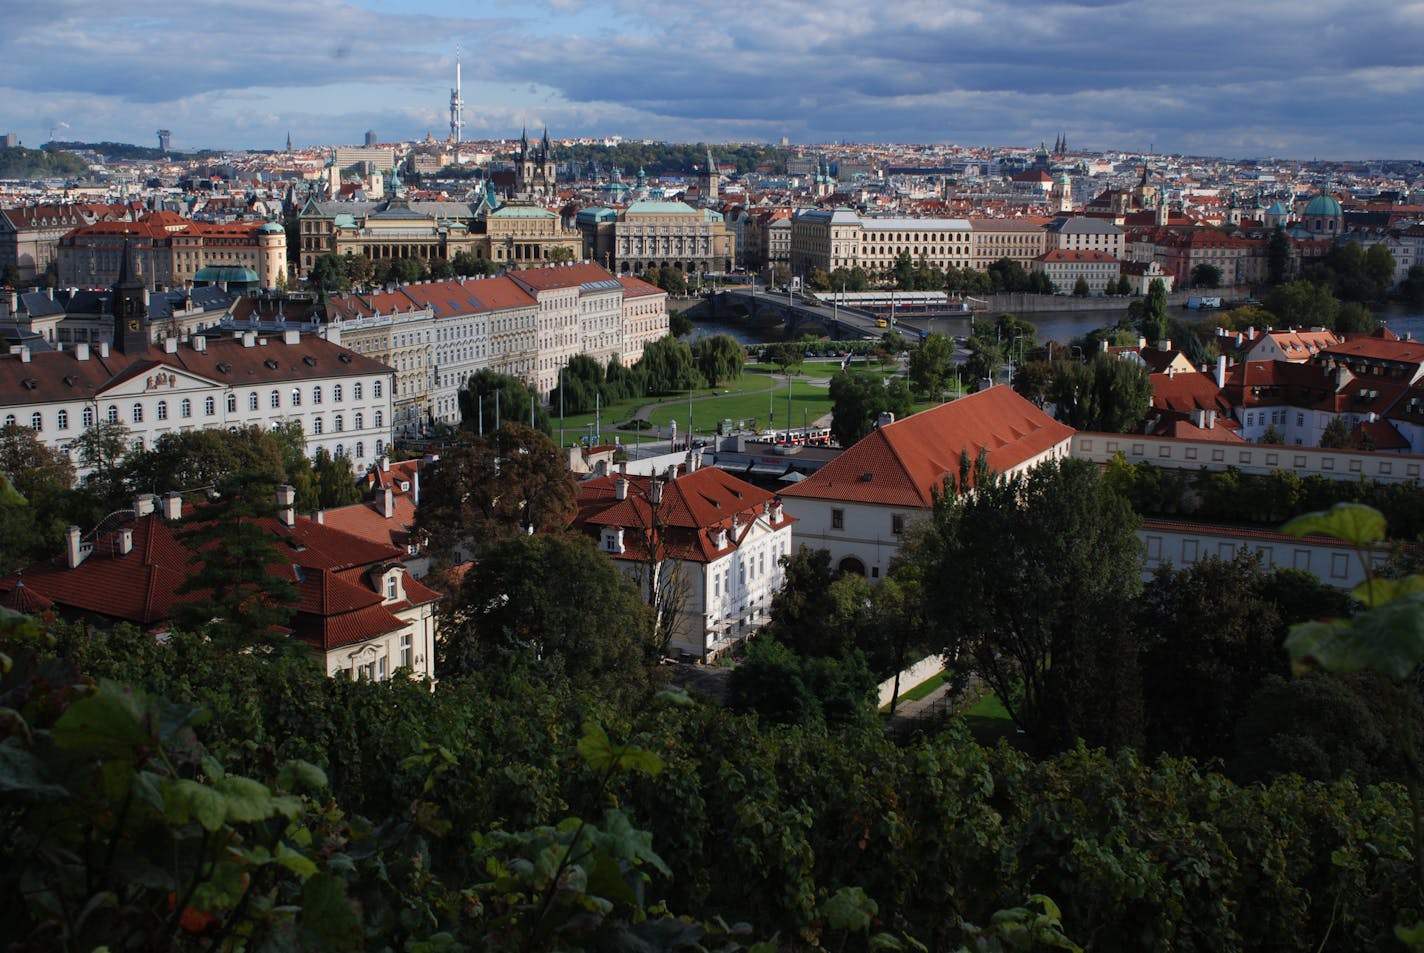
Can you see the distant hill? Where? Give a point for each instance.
(116, 150)
(22, 163)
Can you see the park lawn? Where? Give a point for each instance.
(808, 402)
(616, 414)
(988, 721)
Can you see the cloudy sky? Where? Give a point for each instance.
(1297, 78)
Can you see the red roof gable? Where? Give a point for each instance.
(904, 463)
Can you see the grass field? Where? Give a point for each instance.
(988, 721)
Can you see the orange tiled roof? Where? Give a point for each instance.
(904, 463)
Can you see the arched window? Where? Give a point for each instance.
(360, 450)
(340, 424)
(316, 425)
(380, 447)
(376, 389)
(88, 417)
(185, 409)
(163, 410)
(9, 420)
(113, 413)
(61, 420)
(296, 396)
(138, 413)
(336, 393)
(360, 423)
(36, 422)
(316, 394)
(252, 401)
(340, 451)
(380, 419)
(275, 399)
(356, 395)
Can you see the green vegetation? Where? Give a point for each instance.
(116, 150)
(22, 163)
(1230, 496)
(684, 159)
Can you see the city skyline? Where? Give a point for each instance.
(1268, 79)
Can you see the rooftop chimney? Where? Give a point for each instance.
(171, 506)
(385, 462)
(291, 336)
(144, 504)
(81, 351)
(170, 345)
(75, 551)
(249, 338)
(200, 344)
(655, 491)
(620, 489)
(125, 540)
(103, 348)
(691, 464)
(388, 501)
(286, 505)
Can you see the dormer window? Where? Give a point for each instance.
(613, 539)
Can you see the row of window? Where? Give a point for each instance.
(185, 411)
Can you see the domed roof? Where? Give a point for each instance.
(1276, 208)
(1323, 205)
(272, 228)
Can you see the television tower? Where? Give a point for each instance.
(457, 109)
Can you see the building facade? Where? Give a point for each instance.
(706, 542)
(650, 234)
(341, 400)
(168, 251)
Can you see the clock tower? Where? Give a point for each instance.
(131, 332)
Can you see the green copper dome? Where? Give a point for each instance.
(1323, 205)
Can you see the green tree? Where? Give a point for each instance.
(1336, 435)
(1355, 318)
(1272, 435)
(553, 605)
(669, 279)
(1206, 275)
(239, 576)
(784, 354)
(1109, 395)
(857, 400)
(904, 271)
(468, 264)
(490, 398)
(679, 324)
(1031, 580)
(1303, 304)
(785, 688)
(1150, 313)
(102, 449)
(1212, 634)
(328, 274)
(667, 365)
(333, 481)
(931, 365)
(1278, 257)
(191, 459)
(489, 488)
(719, 358)
(1080, 287)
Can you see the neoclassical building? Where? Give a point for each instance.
(662, 234)
(165, 251)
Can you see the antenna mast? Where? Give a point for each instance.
(457, 109)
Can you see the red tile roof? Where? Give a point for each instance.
(695, 506)
(904, 463)
(336, 604)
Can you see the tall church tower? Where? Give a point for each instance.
(711, 181)
(131, 333)
(534, 173)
